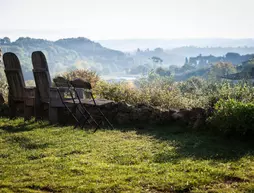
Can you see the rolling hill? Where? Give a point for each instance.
(66, 54)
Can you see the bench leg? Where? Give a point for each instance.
(53, 115)
(39, 107)
(28, 112)
(13, 108)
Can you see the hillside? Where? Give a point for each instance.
(65, 54)
(72, 53)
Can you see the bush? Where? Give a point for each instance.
(3, 85)
(157, 92)
(232, 117)
(193, 85)
(89, 76)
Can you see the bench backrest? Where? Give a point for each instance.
(41, 75)
(14, 76)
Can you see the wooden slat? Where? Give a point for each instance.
(69, 102)
(41, 75)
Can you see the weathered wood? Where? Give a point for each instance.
(12, 106)
(46, 94)
(18, 93)
(43, 83)
(53, 115)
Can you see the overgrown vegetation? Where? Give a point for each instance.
(89, 76)
(232, 114)
(229, 104)
(36, 157)
(232, 117)
(3, 83)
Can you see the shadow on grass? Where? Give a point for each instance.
(22, 126)
(186, 143)
(196, 145)
(26, 143)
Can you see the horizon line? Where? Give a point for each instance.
(132, 39)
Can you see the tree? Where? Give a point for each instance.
(158, 50)
(186, 61)
(186, 67)
(221, 69)
(6, 40)
(162, 72)
(141, 69)
(234, 58)
(157, 59)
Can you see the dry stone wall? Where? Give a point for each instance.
(123, 113)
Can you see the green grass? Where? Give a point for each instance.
(36, 157)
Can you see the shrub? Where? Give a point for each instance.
(89, 76)
(3, 85)
(193, 85)
(150, 93)
(116, 91)
(232, 117)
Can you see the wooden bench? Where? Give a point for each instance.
(20, 96)
(47, 97)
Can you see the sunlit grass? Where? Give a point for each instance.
(37, 157)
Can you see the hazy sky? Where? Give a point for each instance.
(127, 19)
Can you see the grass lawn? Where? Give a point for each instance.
(36, 157)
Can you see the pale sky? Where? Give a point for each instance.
(127, 19)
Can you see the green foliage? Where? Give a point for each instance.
(154, 90)
(155, 80)
(188, 73)
(192, 85)
(163, 92)
(221, 69)
(119, 92)
(247, 66)
(67, 53)
(232, 113)
(232, 117)
(241, 91)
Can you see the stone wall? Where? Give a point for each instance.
(123, 113)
